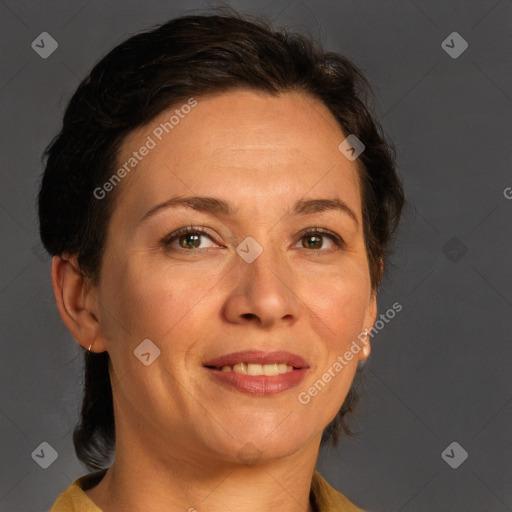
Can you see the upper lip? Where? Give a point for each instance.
(258, 357)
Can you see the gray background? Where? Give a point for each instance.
(439, 371)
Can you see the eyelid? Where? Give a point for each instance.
(167, 239)
(201, 230)
(337, 239)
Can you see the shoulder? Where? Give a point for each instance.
(74, 499)
(327, 499)
(324, 497)
(64, 502)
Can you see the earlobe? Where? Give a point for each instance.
(75, 301)
(370, 318)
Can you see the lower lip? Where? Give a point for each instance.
(261, 385)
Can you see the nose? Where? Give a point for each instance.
(264, 291)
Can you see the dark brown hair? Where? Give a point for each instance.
(194, 56)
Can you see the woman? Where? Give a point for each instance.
(219, 204)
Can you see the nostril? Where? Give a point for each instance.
(249, 315)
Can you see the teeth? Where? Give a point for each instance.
(269, 370)
(257, 369)
(240, 368)
(283, 368)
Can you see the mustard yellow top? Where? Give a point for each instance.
(323, 497)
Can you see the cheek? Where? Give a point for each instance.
(340, 300)
(151, 302)
(340, 305)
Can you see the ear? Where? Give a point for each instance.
(369, 320)
(77, 303)
(370, 317)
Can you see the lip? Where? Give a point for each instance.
(258, 357)
(261, 385)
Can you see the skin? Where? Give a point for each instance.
(179, 433)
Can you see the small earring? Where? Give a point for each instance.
(90, 346)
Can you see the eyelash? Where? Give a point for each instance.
(167, 240)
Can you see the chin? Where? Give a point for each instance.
(260, 446)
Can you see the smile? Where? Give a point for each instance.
(257, 369)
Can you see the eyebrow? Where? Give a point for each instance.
(216, 206)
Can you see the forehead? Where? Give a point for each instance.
(250, 148)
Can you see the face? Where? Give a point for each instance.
(265, 267)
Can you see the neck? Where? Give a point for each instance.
(143, 474)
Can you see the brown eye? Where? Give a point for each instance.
(187, 239)
(312, 242)
(315, 239)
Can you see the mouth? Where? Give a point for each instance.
(257, 372)
(270, 370)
